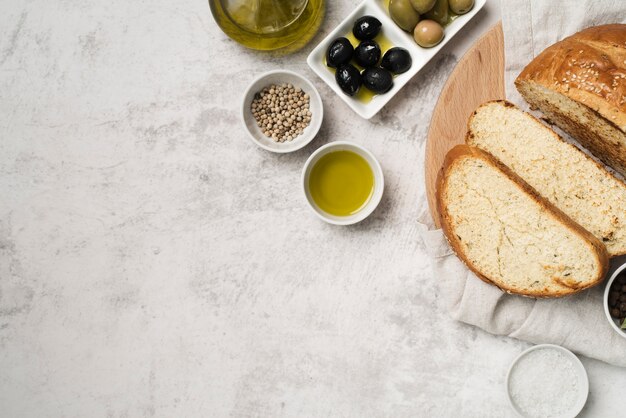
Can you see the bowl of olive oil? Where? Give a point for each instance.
(343, 183)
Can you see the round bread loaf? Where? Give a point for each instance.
(580, 85)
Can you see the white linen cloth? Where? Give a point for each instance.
(577, 322)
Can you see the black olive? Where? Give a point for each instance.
(397, 60)
(367, 54)
(348, 79)
(377, 80)
(366, 27)
(339, 52)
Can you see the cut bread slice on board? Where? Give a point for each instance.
(560, 172)
(508, 235)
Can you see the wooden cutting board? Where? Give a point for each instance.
(477, 78)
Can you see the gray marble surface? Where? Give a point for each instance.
(154, 262)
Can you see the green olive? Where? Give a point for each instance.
(403, 14)
(428, 33)
(439, 13)
(422, 6)
(461, 6)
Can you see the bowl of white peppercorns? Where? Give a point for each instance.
(282, 111)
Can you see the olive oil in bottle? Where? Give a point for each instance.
(269, 25)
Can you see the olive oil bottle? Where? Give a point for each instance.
(283, 26)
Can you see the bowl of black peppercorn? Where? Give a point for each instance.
(615, 300)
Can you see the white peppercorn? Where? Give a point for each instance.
(281, 111)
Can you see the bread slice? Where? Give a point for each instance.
(508, 235)
(579, 84)
(559, 171)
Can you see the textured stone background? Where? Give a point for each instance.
(154, 262)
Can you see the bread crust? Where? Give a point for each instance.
(588, 67)
(455, 155)
(469, 136)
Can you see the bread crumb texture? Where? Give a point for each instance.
(580, 85)
(506, 235)
(560, 172)
(602, 138)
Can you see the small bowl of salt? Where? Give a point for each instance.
(547, 381)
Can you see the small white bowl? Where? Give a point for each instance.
(398, 37)
(583, 379)
(612, 321)
(379, 182)
(315, 106)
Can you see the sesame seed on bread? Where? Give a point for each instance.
(579, 84)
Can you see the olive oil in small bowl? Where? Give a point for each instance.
(343, 183)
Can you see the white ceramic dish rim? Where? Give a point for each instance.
(310, 131)
(606, 300)
(580, 369)
(379, 183)
(370, 109)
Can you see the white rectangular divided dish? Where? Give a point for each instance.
(398, 37)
